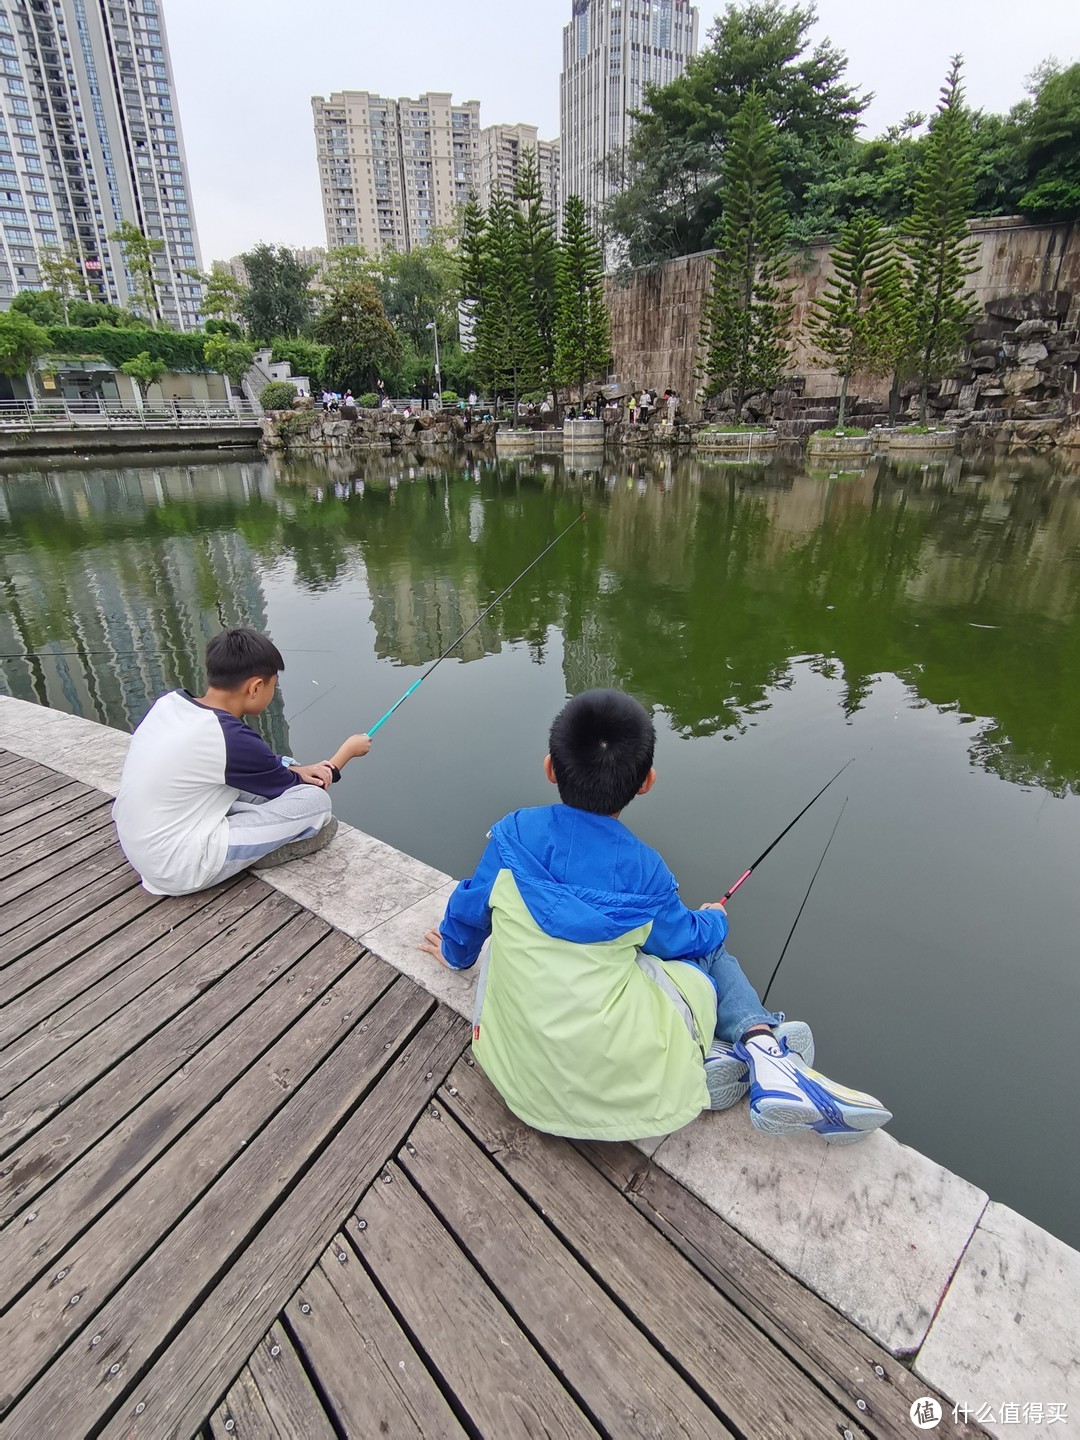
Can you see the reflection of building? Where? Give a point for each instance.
(612, 51)
(92, 139)
(391, 171)
(95, 631)
(417, 616)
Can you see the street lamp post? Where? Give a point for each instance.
(431, 325)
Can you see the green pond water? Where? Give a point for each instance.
(924, 620)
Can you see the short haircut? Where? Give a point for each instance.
(602, 745)
(236, 656)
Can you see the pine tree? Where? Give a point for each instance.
(938, 249)
(890, 328)
(841, 319)
(471, 243)
(506, 342)
(748, 317)
(538, 249)
(582, 325)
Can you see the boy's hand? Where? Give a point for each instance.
(319, 774)
(715, 905)
(357, 745)
(434, 947)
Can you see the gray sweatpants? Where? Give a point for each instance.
(257, 825)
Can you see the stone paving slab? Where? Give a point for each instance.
(1008, 1331)
(876, 1229)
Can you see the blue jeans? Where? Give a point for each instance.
(738, 1007)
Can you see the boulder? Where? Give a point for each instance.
(1030, 353)
(1039, 305)
(985, 349)
(1034, 329)
(985, 363)
(1018, 381)
(1061, 340)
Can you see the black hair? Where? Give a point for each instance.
(601, 745)
(236, 656)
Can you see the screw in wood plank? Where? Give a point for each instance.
(60, 1274)
(387, 1178)
(230, 1424)
(361, 1224)
(879, 1371)
(30, 1218)
(75, 1299)
(861, 1404)
(469, 1060)
(275, 1351)
(343, 1259)
(848, 1435)
(140, 1407)
(453, 1090)
(305, 1308)
(411, 1148)
(96, 1340)
(434, 1113)
(430, 1074)
(114, 1368)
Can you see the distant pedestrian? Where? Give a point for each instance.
(631, 405)
(672, 406)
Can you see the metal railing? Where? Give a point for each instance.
(123, 414)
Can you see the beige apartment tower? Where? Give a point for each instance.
(501, 151)
(392, 171)
(612, 51)
(90, 137)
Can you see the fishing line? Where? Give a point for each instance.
(483, 614)
(747, 873)
(802, 907)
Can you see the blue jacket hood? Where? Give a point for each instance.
(585, 878)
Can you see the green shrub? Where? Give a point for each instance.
(178, 352)
(368, 401)
(449, 397)
(278, 395)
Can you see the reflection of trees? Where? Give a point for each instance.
(697, 585)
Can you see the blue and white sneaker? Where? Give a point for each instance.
(787, 1096)
(728, 1077)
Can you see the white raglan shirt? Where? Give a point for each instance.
(186, 765)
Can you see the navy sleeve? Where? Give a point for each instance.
(250, 764)
(467, 922)
(679, 933)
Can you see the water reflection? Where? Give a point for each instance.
(696, 584)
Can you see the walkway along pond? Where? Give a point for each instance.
(925, 621)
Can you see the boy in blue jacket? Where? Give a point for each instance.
(606, 1008)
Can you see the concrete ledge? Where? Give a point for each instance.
(930, 442)
(101, 439)
(824, 445)
(877, 1230)
(736, 442)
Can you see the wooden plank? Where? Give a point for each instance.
(286, 1390)
(55, 846)
(263, 1055)
(70, 869)
(198, 1361)
(76, 910)
(243, 1415)
(374, 1381)
(32, 810)
(755, 1385)
(554, 1299)
(41, 984)
(173, 1047)
(32, 783)
(44, 899)
(19, 833)
(815, 1335)
(224, 1233)
(440, 1298)
(42, 1072)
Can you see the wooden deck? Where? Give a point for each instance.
(251, 1185)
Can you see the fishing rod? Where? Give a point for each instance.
(450, 648)
(747, 873)
(802, 907)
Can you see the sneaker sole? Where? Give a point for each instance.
(857, 1127)
(783, 1117)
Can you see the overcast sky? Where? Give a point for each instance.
(246, 71)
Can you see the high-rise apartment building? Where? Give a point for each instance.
(90, 137)
(613, 50)
(391, 171)
(501, 151)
